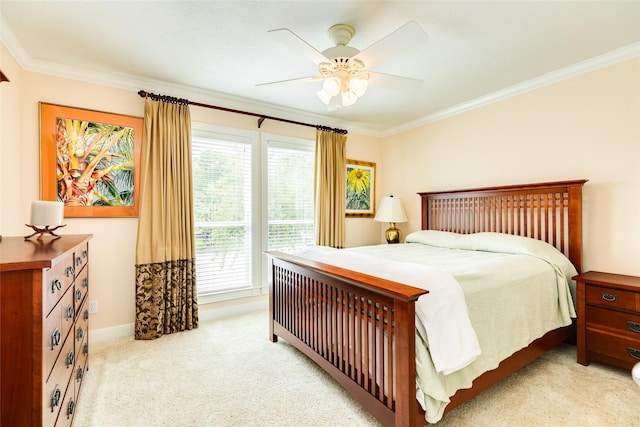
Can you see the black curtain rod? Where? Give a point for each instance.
(261, 117)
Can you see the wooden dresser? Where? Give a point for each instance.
(608, 308)
(44, 325)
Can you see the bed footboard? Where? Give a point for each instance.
(358, 328)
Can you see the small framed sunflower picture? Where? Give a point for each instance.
(361, 189)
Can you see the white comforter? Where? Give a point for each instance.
(515, 290)
(442, 312)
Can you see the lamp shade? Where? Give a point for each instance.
(45, 213)
(390, 210)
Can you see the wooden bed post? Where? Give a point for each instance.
(405, 395)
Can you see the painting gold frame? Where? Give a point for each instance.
(361, 189)
(90, 160)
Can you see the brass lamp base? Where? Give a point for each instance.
(43, 231)
(392, 234)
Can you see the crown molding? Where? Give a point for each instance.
(609, 58)
(16, 49)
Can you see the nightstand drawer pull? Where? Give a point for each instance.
(633, 326)
(633, 352)
(610, 297)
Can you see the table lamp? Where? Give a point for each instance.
(390, 210)
(46, 217)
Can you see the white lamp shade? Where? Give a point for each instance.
(390, 210)
(358, 85)
(324, 96)
(44, 213)
(348, 98)
(332, 86)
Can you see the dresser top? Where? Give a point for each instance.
(16, 253)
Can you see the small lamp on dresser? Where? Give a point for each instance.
(46, 217)
(390, 210)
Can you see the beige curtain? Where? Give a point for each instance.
(330, 188)
(166, 297)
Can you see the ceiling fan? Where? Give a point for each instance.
(346, 71)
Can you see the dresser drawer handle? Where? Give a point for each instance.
(78, 261)
(85, 282)
(78, 295)
(55, 397)
(55, 338)
(85, 349)
(86, 315)
(70, 270)
(633, 352)
(70, 358)
(79, 374)
(610, 297)
(633, 326)
(70, 408)
(56, 285)
(80, 333)
(69, 312)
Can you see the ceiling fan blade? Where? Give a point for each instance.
(297, 79)
(405, 37)
(289, 38)
(392, 81)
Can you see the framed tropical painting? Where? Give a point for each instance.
(90, 160)
(361, 189)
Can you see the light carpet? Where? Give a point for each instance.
(227, 373)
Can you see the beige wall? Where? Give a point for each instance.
(113, 245)
(584, 127)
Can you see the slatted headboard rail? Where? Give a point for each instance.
(549, 211)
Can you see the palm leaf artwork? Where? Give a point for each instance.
(95, 163)
(358, 189)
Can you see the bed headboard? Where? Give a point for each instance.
(548, 211)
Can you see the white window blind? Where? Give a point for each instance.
(290, 196)
(222, 213)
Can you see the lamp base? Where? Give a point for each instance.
(43, 231)
(392, 234)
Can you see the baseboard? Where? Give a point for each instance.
(207, 312)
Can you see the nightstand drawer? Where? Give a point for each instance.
(614, 321)
(620, 348)
(612, 298)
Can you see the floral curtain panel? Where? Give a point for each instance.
(166, 296)
(330, 187)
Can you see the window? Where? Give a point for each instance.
(289, 196)
(237, 215)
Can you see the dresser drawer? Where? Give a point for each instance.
(614, 321)
(53, 287)
(68, 407)
(627, 351)
(55, 328)
(81, 287)
(612, 298)
(54, 388)
(81, 257)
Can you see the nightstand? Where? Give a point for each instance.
(608, 307)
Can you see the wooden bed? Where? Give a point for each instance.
(319, 308)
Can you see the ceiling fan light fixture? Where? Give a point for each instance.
(332, 86)
(324, 96)
(358, 85)
(348, 98)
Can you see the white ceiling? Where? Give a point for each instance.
(476, 51)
